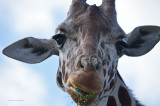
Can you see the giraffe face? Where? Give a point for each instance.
(89, 43)
(88, 57)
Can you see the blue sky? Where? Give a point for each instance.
(36, 84)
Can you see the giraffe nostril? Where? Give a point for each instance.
(97, 67)
(95, 63)
(83, 63)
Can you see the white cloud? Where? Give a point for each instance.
(97, 2)
(20, 85)
(33, 16)
(132, 13)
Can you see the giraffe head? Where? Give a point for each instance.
(89, 43)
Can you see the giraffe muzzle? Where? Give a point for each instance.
(81, 95)
(84, 86)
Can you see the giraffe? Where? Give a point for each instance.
(89, 44)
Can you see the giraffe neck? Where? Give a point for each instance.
(117, 95)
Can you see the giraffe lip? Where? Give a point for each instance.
(81, 96)
(81, 90)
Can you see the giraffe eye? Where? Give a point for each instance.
(120, 46)
(60, 39)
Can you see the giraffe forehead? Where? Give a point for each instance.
(92, 22)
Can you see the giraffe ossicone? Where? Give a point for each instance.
(89, 43)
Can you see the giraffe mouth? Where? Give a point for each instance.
(81, 96)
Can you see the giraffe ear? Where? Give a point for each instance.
(31, 50)
(141, 40)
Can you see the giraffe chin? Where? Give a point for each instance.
(82, 97)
